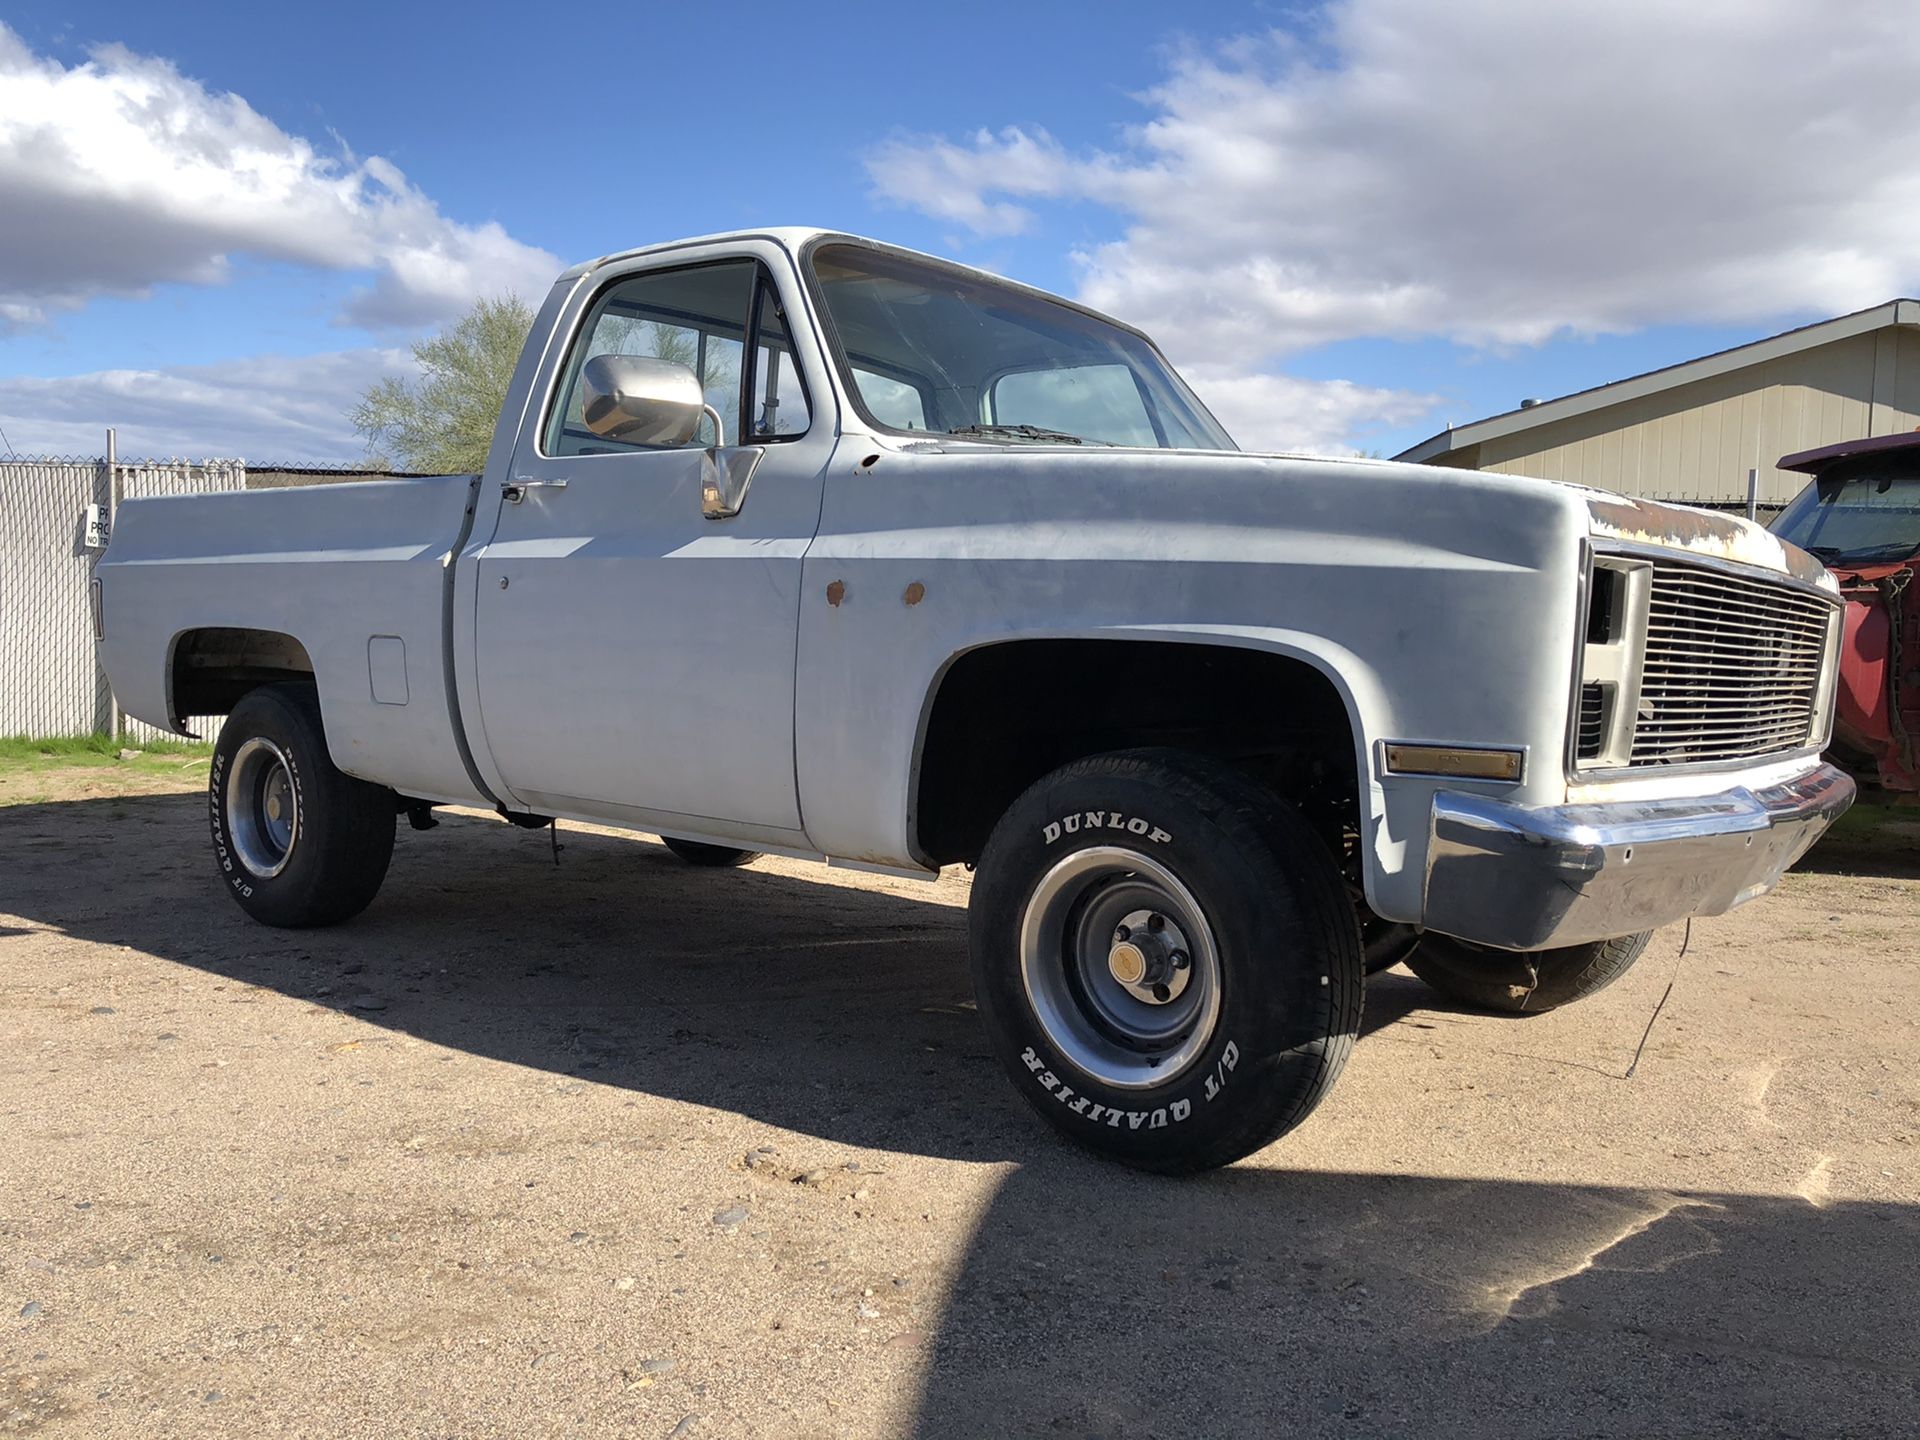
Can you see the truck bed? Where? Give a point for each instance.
(357, 573)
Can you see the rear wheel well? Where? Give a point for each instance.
(1007, 714)
(215, 666)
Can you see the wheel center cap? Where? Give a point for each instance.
(273, 807)
(1126, 963)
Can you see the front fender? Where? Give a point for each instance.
(1392, 815)
(1395, 588)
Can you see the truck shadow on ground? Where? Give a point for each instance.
(1090, 1301)
(1256, 1302)
(1882, 842)
(839, 1012)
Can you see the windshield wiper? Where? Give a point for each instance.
(1025, 432)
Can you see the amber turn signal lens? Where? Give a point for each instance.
(1453, 760)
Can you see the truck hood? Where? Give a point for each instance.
(1706, 533)
(1372, 484)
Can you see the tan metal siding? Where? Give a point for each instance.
(1694, 443)
(1902, 388)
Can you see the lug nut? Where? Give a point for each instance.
(1125, 932)
(1179, 960)
(1156, 923)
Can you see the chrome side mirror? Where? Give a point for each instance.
(640, 400)
(643, 400)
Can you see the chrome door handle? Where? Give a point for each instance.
(516, 490)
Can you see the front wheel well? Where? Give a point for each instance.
(1007, 714)
(213, 667)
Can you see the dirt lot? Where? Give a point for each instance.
(624, 1148)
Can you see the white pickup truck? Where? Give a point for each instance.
(789, 541)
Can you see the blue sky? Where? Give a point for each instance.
(1348, 223)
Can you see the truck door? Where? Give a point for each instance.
(633, 658)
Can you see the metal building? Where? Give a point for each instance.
(1691, 432)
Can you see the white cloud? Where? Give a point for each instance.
(1488, 172)
(1313, 417)
(266, 409)
(121, 173)
(950, 182)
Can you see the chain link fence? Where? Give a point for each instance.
(51, 683)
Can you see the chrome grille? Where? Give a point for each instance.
(1591, 737)
(1732, 667)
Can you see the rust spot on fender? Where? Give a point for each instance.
(915, 593)
(836, 592)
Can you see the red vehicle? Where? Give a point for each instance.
(1861, 517)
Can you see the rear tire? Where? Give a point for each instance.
(1159, 1064)
(298, 843)
(1523, 982)
(709, 856)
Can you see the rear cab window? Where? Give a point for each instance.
(895, 403)
(1101, 402)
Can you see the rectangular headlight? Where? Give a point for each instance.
(1612, 657)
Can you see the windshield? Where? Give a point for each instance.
(1858, 513)
(926, 347)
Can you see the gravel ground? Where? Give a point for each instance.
(624, 1148)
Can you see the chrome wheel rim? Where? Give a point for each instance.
(263, 818)
(1120, 967)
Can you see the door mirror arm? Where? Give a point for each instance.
(725, 474)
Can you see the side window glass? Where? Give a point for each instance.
(778, 404)
(892, 402)
(1099, 402)
(696, 318)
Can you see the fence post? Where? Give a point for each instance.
(113, 519)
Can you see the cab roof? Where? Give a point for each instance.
(1812, 462)
(792, 238)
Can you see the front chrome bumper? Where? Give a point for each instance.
(1528, 879)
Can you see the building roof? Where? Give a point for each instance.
(1740, 357)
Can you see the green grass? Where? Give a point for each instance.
(25, 755)
(1866, 820)
(90, 749)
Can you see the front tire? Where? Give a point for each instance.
(1527, 982)
(1164, 958)
(298, 842)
